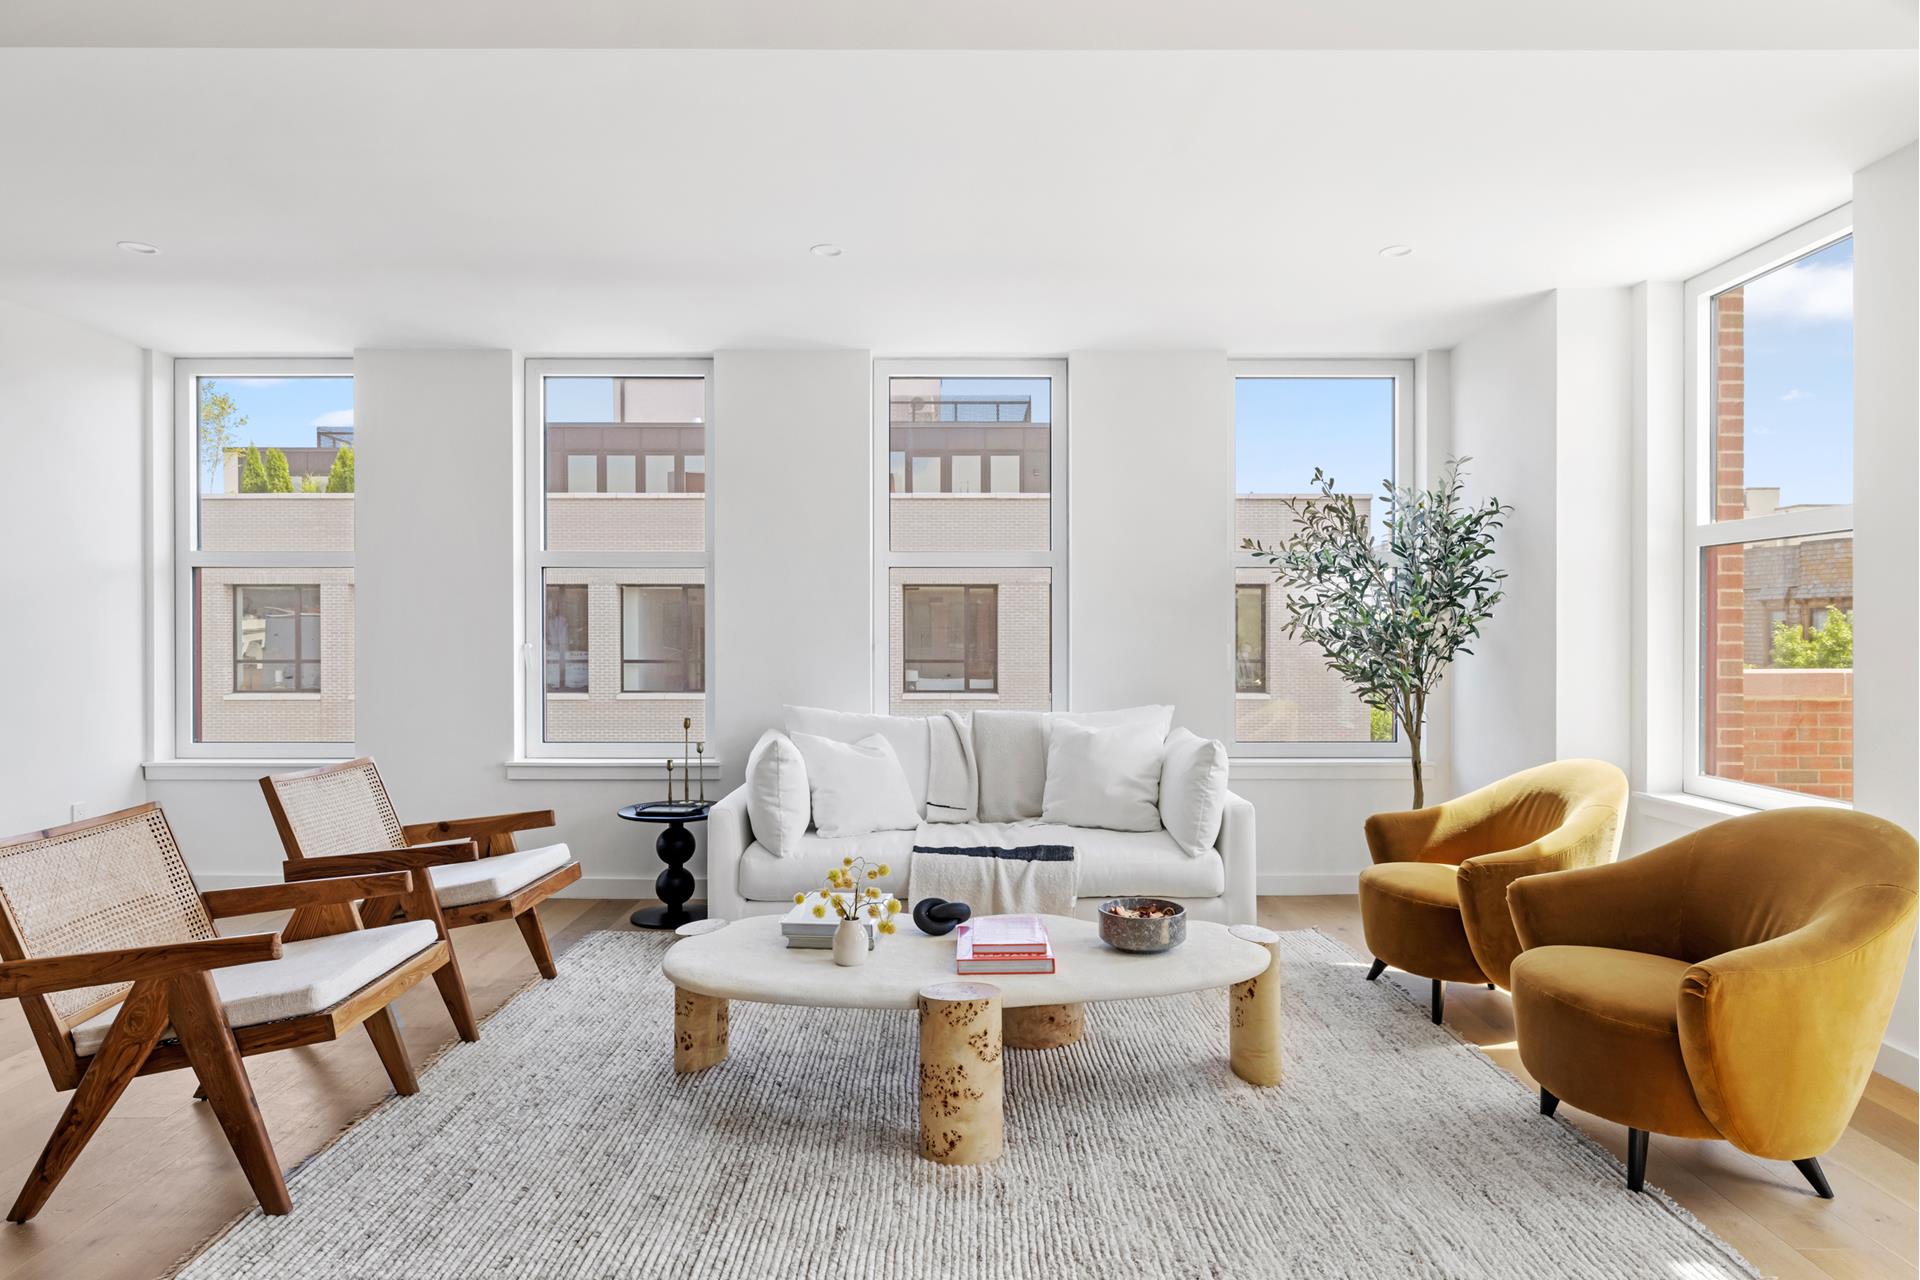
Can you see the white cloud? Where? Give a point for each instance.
(336, 418)
(1795, 393)
(1808, 292)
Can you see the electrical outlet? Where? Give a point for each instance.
(76, 811)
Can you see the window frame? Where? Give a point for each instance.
(685, 663)
(966, 590)
(1402, 371)
(1700, 533)
(297, 660)
(537, 559)
(1260, 593)
(1053, 559)
(188, 558)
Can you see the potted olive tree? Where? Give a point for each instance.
(1391, 614)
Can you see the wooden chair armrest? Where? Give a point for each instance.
(498, 824)
(44, 974)
(248, 899)
(375, 861)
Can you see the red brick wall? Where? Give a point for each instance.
(1723, 589)
(1799, 731)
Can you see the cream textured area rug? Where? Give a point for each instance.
(562, 1145)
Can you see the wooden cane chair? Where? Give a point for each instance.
(339, 821)
(111, 951)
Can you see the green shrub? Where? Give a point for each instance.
(253, 473)
(279, 478)
(1379, 724)
(340, 478)
(1829, 647)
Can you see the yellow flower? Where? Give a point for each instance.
(873, 893)
(819, 911)
(846, 862)
(799, 898)
(872, 874)
(893, 906)
(888, 926)
(885, 870)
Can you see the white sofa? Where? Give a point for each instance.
(745, 878)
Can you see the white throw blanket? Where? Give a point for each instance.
(996, 868)
(953, 776)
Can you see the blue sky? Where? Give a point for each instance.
(285, 411)
(1285, 427)
(1799, 355)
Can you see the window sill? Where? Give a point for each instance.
(1243, 696)
(1684, 809)
(685, 695)
(270, 697)
(955, 696)
(242, 770)
(585, 769)
(1326, 769)
(551, 696)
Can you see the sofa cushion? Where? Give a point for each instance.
(906, 734)
(459, 884)
(778, 805)
(1106, 777)
(767, 877)
(1145, 863)
(1193, 790)
(310, 976)
(1410, 912)
(856, 787)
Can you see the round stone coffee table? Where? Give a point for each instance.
(965, 1020)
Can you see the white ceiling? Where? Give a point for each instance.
(1023, 202)
(965, 24)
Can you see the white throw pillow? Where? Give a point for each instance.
(777, 804)
(857, 787)
(1159, 715)
(1104, 777)
(1193, 790)
(907, 734)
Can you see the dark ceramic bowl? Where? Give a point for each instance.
(1132, 933)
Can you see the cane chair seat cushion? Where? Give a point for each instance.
(460, 884)
(309, 977)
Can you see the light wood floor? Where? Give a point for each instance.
(158, 1178)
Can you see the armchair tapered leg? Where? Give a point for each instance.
(1548, 1103)
(1636, 1159)
(143, 1016)
(383, 1029)
(1379, 967)
(201, 1023)
(453, 992)
(1439, 1001)
(536, 935)
(1810, 1167)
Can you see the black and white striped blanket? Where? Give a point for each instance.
(996, 868)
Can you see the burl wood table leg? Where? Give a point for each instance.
(699, 1031)
(1043, 1026)
(1253, 1012)
(960, 1073)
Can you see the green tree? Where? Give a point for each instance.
(220, 423)
(340, 478)
(1390, 617)
(253, 472)
(279, 478)
(312, 484)
(1831, 646)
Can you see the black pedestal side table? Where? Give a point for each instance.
(675, 847)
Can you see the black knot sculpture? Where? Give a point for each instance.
(937, 917)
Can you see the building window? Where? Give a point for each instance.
(951, 641)
(663, 639)
(265, 475)
(276, 643)
(1770, 521)
(1349, 419)
(618, 552)
(1249, 638)
(567, 638)
(970, 533)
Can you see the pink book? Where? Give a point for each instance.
(1008, 935)
(965, 961)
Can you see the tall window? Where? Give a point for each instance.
(1347, 418)
(617, 465)
(1770, 520)
(971, 533)
(264, 465)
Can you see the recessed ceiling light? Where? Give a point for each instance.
(825, 250)
(140, 247)
(1396, 251)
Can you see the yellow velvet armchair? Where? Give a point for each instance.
(1435, 901)
(1733, 984)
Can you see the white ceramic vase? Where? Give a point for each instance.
(850, 943)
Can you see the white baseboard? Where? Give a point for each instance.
(1294, 884)
(1899, 1066)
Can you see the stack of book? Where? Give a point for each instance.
(801, 928)
(1003, 944)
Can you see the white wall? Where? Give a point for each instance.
(73, 700)
(1150, 557)
(1886, 561)
(1504, 399)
